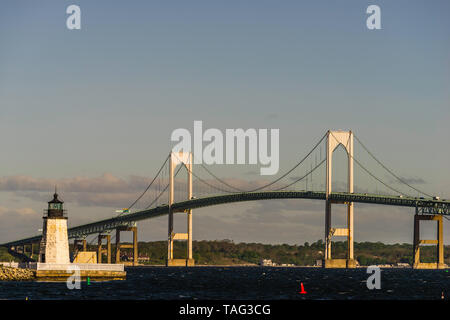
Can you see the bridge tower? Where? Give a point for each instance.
(334, 139)
(180, 158)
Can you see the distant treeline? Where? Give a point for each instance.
(226, 252)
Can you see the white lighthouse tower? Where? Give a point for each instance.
(54, 247)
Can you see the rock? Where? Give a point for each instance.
(16, 274)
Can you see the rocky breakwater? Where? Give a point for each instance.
(16, 274)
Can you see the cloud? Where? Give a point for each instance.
(5, 212)
(113, 200)
(106, 190)
(110, 191)
(413, 180)
(104, 183)
(18, 223)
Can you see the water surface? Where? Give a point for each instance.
(243, 283)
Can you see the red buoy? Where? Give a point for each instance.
(302, 288)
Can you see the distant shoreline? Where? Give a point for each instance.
(256, 265)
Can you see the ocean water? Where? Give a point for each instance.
(243, 283)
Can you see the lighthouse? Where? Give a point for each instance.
(54, 246)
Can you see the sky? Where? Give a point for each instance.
(92, 110)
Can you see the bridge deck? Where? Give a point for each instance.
(441, 207)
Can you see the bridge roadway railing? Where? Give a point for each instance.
(422, 205)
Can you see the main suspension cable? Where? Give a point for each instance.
(301, 178)
(390, 171)
(164, 190)
(148, 187)
(373, 176)
(274, 181)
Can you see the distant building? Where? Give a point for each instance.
(143, 258)
(403, 265)
(318, 263)
(384, 265)
(267, 263)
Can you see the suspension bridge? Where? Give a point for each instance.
(312, 177)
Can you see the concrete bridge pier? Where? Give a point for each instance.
(101, 251)
(439, 242)
(133, 246)
(79, 244)
(21, 249)
(189, 261)
(25, 249)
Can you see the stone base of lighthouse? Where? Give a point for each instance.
(54, 246)
(62, 271)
